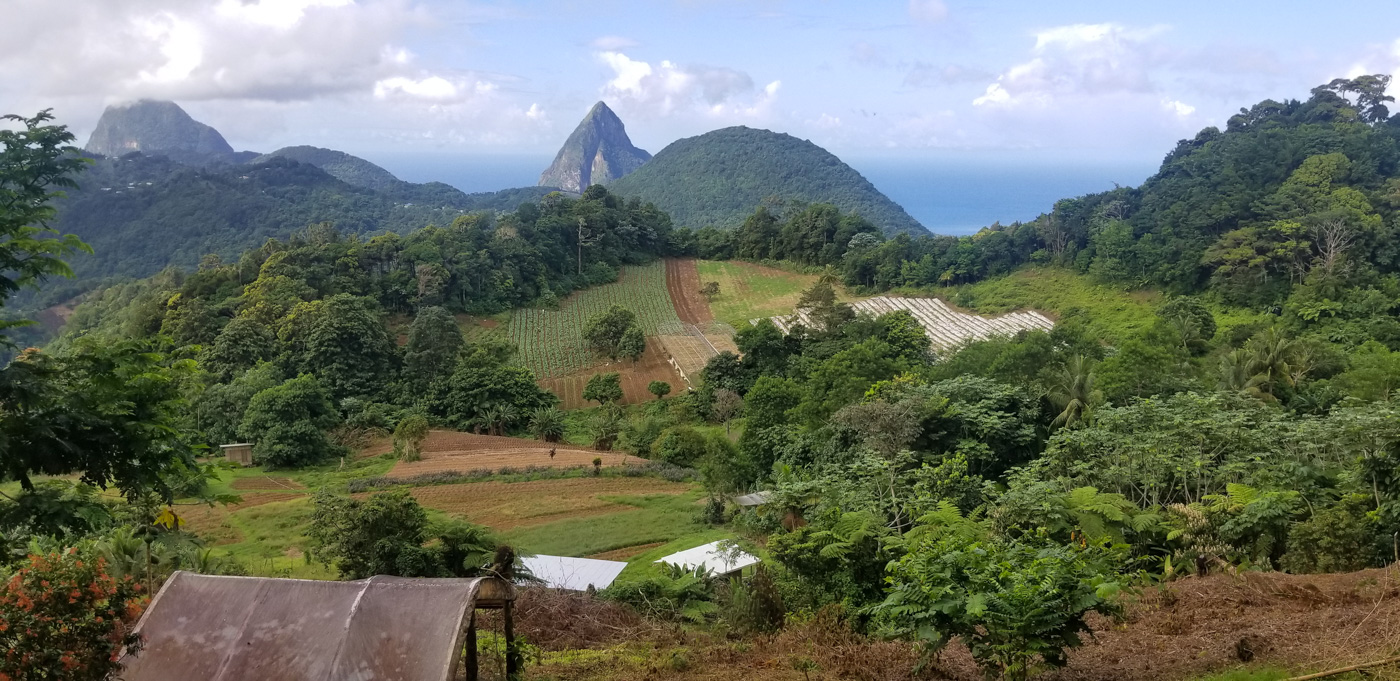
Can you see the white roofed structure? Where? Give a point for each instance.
(573, 574)
(945, 327)
(755, 499)
(713, 557)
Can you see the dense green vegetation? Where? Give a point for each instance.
(715, 179)
(351, 170)
(142, 214)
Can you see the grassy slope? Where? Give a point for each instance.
(748, 291)
(1111, 312)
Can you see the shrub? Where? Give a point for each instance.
(409, 436)
(1341, 538)
(676, 595)
(680, 446)
(63, 616)
(753, 605)
(1013, 603)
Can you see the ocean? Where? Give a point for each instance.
(947, 195)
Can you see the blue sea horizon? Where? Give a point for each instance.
(947, 195)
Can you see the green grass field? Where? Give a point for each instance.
(657, 518)
(748, 291)
(550, 342)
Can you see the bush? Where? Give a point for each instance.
(753, 605)
(63, 616)
(409, 436)
(1011, 602)
(674, 595)
(680, 446)
(1341, 538)
(288, 424)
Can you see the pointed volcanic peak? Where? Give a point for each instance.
(719, 178)
(157, 128)
(351, 170)
(597, 152)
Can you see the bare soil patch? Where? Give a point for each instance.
(683, 283)
(452, 451)
(504, 506)
(635, 376)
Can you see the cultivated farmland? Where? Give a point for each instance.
(550, 342)
(945, 327)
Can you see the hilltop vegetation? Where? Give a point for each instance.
(351, 170)
(718, 178)
(142, 213)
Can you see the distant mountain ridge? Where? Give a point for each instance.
(158, 127)
(351, 170)
(717, 179)
(597, 152)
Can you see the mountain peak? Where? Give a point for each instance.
(155, 127)
(597, 152)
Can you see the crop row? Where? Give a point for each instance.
(550, 342)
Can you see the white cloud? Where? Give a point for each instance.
(431, 88)
(1179, 108)
(667, 88)
(928, 11)
(1079, 60)
(277, 50)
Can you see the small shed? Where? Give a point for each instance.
(713, 557)
(752, 500)
(573, 574)
(241, 453)
(264, 629)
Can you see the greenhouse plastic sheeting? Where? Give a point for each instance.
(253, 628)
(573, 574)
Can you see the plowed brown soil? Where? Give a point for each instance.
(683, 283)
(503, 505)
(446, 450)
(636, 376)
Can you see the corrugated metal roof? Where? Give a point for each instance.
(755, 499)
(574, 574)
(713, 557)
(262, 629)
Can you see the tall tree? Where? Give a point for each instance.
(434, 339)
(37, 163)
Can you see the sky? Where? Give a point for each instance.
(1076, 82)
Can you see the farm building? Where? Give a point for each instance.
(945, 327)
(713, 557)
(241, 453)
(265, 629)
(573, 574)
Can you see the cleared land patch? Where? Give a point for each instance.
(653, 366)
(446, 450)
(504, 506)
(550, 342)
(748, 291)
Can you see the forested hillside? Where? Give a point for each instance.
(144, 213)
(715, 179)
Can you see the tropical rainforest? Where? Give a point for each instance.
(1000, 493)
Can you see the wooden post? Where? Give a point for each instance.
(469, 650)
(512, 653)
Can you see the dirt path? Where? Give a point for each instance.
(683, 283)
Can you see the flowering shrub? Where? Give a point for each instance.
(63, 617)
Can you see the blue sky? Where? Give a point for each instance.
(1087, 82)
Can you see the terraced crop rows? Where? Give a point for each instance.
(945, 327)
(550, 342)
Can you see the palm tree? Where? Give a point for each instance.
(1072, 392)
(547, 423)
(1273, 356)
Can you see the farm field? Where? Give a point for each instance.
(945, 327)
(748, 291)
(577, 516)
(446, 450)
(550, 342)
